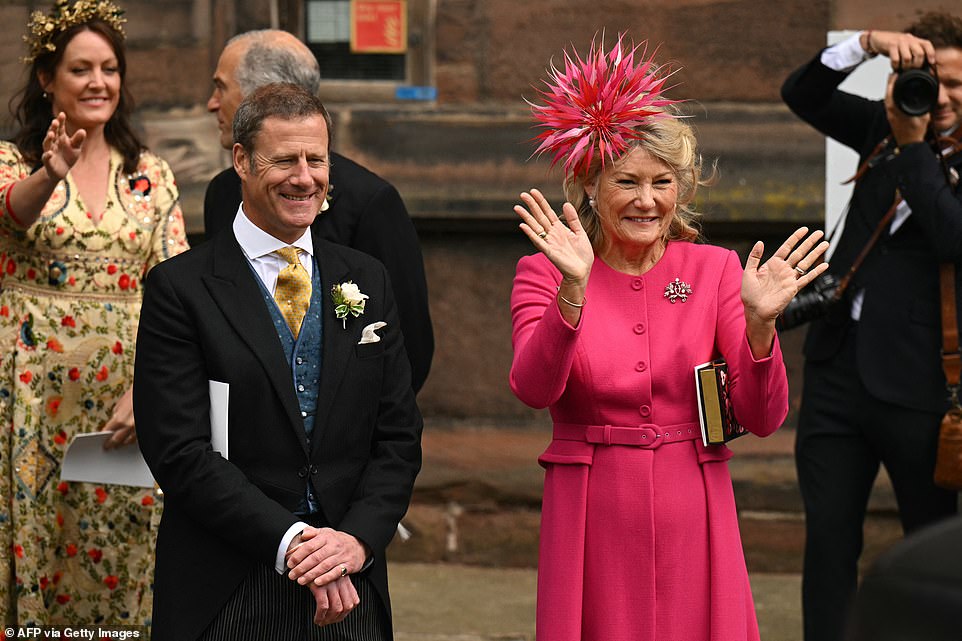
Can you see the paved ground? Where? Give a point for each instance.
(447, 602)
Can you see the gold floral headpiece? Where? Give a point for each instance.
(68, 13)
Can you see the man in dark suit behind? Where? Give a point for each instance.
(362, 210)
(874, 388)
(281, 534)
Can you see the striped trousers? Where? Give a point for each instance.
(268, 606)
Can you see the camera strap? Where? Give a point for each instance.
(862, 255)
(877, 155)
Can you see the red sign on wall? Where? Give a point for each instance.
(379, 26)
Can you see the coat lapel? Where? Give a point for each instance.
(234, 288)
(338, 341)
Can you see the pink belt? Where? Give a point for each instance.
(646, 436)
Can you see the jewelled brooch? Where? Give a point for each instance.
(677, 290)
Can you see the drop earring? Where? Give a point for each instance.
(591, 201)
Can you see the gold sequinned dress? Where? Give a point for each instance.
(70, 293)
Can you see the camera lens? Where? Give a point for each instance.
(915, 92)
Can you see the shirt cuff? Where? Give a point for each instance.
(845, 55)
(292, 531)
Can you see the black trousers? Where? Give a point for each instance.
(268, 606)
(843, 435)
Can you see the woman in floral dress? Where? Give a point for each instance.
(85, 211)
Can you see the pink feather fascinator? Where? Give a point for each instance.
(595, 104)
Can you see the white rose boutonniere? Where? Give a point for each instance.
(348, 301)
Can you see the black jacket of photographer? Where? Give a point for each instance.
(899, 332)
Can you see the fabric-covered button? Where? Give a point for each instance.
(641, 366)
(645, 410)
(637, 284)
(639, 328)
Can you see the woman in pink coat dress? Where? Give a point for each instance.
(639, 535)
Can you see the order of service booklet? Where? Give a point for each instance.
(715, 413)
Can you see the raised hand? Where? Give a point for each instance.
(61, 151)
(904, 50)
(567, 247)
(768, 287)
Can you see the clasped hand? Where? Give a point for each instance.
(322, 559)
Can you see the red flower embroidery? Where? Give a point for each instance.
(60, 231)
(59, 519)
(52, 406)
(63, 487)
(44, 582)
(71, 550)
(72, 280)
(101, 494)
(63, 598)
(111, 581)
(103, 373)
(133, 283)
(73, 374)
(4, 311)
(26, 377)
(118, 348)
(147, 500)
(11, 266)
(54, 345)
(31, 274)
(111, 269)
(68, 321)
(18, 550)
(95, 555)
(124, 281)
(133, 235)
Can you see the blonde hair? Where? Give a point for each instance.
(670, 139)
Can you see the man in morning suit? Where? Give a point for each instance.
(362, 210)
(284, 536)
(874, 388)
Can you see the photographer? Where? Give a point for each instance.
(874, 388)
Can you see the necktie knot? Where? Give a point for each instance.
(293, 290)
(290, 254)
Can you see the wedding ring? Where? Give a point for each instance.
(343, 570)
(542, 234)
(799, 270)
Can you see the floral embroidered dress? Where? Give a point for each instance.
(70, 293)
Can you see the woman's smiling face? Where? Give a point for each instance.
(86, 83)
(635, 200)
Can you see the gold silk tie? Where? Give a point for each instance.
(293, 290)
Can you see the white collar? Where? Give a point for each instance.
(255, 242)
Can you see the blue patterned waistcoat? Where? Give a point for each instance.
(304, 358)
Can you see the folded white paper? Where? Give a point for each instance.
(86, 460)
(219, 397)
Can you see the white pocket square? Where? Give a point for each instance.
(368, 335)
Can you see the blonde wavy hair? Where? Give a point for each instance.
(671, 140)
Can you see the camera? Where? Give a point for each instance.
(812, 302)
(916, 91)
